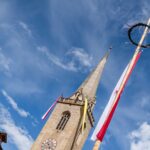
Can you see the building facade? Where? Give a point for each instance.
(63, 130)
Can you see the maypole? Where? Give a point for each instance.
(128, 72)
(97, 145)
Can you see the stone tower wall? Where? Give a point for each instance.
(65, 137)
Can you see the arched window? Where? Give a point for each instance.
(63, 121)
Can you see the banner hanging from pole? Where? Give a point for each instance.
(106, 117)
(50, 108)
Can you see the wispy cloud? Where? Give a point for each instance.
(140, 138)
(78, 58)
(56, 60)
(145, 10)
(141, 16)
(82, 56)
(21, 48)
(82, 26)
(17, 135)
(26, 28)
(19, 110)
(15, 106)
(4, 62)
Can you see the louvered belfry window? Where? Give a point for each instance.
(63, 121)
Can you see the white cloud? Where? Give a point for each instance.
(84, 58)
(4, 62)
(57, 61)
(21, 48)
(25, 27)
(79, 58)
(17, 135)
(14, 105)
(141, 16)
(140, 138)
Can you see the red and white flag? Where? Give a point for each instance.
(50, 108)
(107, 114)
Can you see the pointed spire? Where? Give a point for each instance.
(90, 85)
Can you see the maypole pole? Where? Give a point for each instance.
(137, 50)
(139, 45)
(97, 145)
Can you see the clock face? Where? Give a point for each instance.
(49, 144)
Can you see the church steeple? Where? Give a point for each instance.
(62, 131)
(90, 85)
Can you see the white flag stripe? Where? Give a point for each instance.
(108, 106)
(50, 108)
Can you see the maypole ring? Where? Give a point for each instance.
(130, 37)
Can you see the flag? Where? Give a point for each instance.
(107, 115)
(50, 108)
(108, 106)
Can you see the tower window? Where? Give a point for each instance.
(63, 121)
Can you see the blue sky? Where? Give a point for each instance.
(48, 48)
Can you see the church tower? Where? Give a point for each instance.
(63, 131)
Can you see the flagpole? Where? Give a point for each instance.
(97, 145)
(137, 50)
(143, 37)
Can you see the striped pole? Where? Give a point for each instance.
(137, 50)
(97, 145)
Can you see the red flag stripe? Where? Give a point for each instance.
(136, 59)
(102, 131)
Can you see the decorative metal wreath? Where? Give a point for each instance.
(130, 31)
